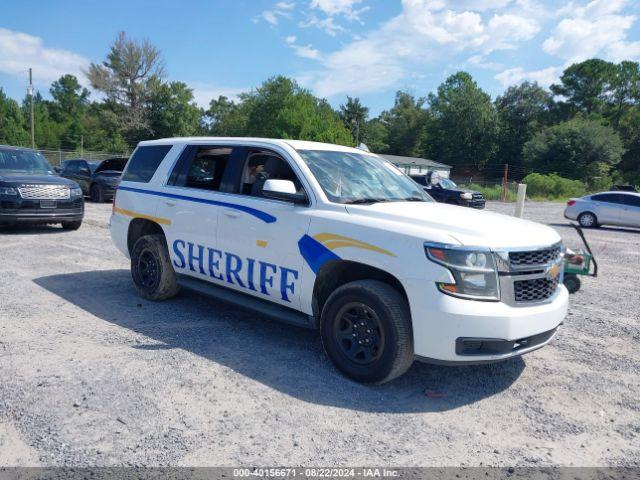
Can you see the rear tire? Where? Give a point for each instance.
(151, 269)
(588, 220)
(71, 225)
(96, 193)
(365, 328)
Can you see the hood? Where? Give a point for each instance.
(466, 226)
(16, 179)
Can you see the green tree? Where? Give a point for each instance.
(12, 123)
(625, 90)
(405, 125)
(173, 112)
(225, 118)
(580, 149)
(585, 85)
(629, 128)
(280, 108)
(374, 136)
(522, 111)
(464, 126)
(354, 115)
(129, 77)
(69, 98)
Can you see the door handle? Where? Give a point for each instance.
(169, 203)
(231, 214)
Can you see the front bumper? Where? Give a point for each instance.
(29, 211)
(441, 323)
(479, 204)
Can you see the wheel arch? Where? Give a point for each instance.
(590, 212)
(336, 273)
(139, 227)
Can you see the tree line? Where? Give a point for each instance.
(585, 127)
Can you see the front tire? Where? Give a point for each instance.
(587, 220)
(366, 331)
(572, 282)
(151, 269)
(71, 225)
(96, 193)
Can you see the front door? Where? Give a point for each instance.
(631, 211)
(259, 236)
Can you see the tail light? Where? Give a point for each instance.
(571, 203)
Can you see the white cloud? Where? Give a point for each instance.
(203, 93)
(422, 32)
(596, 29)
(19, 51)
(280, 10)
(304, 51)
(544, 77)
(328, 25)
(480, 61)
(346, 8)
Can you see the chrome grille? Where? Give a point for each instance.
(44, 192)
(535, 290)
(534, 257)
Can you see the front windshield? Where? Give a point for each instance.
(23, 161)
(347, 177)
(448, 184)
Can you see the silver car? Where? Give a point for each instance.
(606, 208)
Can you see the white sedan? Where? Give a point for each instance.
(606, 208)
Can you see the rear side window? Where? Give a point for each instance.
(609, 197)
(144, 163)
(207, 168)
(632, 200)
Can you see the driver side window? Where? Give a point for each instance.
(263, 165)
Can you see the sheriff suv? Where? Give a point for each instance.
(339, 240)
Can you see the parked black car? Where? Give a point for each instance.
(31, 192)
(445, 190)
(98, 179)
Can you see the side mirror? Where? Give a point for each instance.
(58, 169)
(85, 171)
(283, 190)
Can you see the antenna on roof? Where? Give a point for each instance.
(362, 146)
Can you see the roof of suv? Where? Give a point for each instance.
(296, 144)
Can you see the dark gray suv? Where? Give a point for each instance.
(31, 192)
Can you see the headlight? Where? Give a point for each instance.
(8, 191)
(474, 271)
(76, 192)
(466, 196)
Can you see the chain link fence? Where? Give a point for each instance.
(56, 157)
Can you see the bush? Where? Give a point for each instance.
(493, 192)
(553, 186)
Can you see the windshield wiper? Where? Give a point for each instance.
(359, 201)
(415, 199)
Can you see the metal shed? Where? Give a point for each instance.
(418, 166)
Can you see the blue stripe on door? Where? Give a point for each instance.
(265, 217)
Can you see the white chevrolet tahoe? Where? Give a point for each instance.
(340, 240)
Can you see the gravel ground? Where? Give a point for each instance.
(91, 375)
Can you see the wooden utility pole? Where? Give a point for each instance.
(33, 130)
(504, 182)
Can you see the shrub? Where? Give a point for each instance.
(553, 186)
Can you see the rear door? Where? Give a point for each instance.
(191, 200)
(83, 176)
(631, 211)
